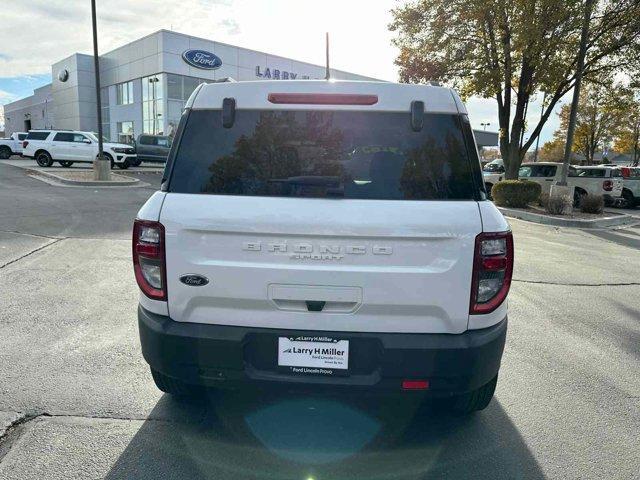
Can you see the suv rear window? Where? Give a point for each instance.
(37, 135)
(592, 172)
(343, 154)
(537, 171)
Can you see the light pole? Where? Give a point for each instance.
(153, 81)
(101, 166)
(485, 125)
(535, 155)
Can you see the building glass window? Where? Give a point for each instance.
(190, 84)
(125, 132)
(174, 86)
(105, 112)
(124, 93)
(180, 87)
(152, 104)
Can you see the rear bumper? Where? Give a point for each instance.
(224, 356)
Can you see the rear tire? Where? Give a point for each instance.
(5, 152)
(630, 200)
(43, 159)
(175, 387)
(135, 163)
(65, 163)
(578, 196)
(476, 400)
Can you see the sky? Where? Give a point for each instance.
(360, 39)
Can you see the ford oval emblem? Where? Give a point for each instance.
(194, 280)
(202, 59)
(63, 75)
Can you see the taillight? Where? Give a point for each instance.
(323, 98)
(492, 271)
(626, 172)
(24, 144)
(607, 185)
(149, 258)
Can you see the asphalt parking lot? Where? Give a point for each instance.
(77, 400)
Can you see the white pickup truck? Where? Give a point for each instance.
(12, 145)
(586, 180)
(631, 186)
(329, 234)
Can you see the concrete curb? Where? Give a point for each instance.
(88, 183)
(612, 221)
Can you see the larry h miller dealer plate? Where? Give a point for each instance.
(314, 355)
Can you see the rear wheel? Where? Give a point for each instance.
(44, 159)
(175, 387)
(476, 400)
(578, 196)
(135, 163)
(629, 199)
(65, 163)
(5, 152)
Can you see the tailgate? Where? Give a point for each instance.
(321, 264)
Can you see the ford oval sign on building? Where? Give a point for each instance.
(202, 59)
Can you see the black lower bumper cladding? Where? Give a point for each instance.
(232, 357)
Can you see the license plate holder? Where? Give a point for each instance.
(313, 355)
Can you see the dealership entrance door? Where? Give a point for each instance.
(27, 125)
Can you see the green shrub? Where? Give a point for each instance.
(592, 204)
(515, 193)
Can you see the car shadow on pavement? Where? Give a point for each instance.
(300, 436)
(615, 237)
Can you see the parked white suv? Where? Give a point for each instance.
(67, 147)
(586, 180)
(492, 173)
(324, 233)
(12, 145)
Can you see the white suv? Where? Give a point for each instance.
(324, 233)
(492, 173)
(67, 147)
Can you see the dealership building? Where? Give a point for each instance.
(145, 84)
